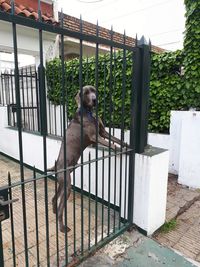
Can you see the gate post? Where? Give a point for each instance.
(139, 111)
(142, 81)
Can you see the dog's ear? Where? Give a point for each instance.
(77, 98)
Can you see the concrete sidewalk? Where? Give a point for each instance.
(132, 249)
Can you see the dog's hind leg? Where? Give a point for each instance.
(62, 203)
(56, 196)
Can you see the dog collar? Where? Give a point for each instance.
(89, 114)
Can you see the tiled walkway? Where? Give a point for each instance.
(54, 238)
(183, 204)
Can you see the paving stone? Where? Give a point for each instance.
(6, 165)
(186, 236)
(198, 257)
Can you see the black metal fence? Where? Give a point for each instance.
(30, 106)
(28, 94)
(100, 206)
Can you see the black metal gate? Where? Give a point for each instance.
(28, 83)
(101, 205)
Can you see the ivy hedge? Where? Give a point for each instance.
(166, 86)
(171, 88)
(192, 52)
(105, 90)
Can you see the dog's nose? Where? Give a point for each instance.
(94, 101)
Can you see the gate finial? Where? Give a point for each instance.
(142, 41)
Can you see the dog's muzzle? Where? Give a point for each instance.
(94, 102)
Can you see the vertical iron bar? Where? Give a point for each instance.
(12, 222)
(36, 218)
(37, 102)
(32, 103)
(49, 111)
(110, 116)
(23, 99)
(13, 102)
(125, 185)
(8, 87)
(97, 134)
(66, 100)
(72, 83)
(64, 140)
(56, 196)
(1, 248)
(55, 121)
(1, 92)
(122, 123)
(115, 189)
(102, 210)
(74, 210)
(42, 92)
(87, 74)
(61, 120)
(113, 93)
(81, 96)
(27, 97)
(104, 92)
(89, 201)
(3, 88)
(19, 125)
(51, 106)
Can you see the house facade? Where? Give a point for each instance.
(27, 38)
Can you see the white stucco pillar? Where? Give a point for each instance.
(189, 155)
(150, 189)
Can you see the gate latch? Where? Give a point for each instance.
(4, 204)
(7, 202)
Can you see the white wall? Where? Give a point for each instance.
(183, 144)
(159, 140)
(175, 132)
(150, 173)
(31, 142)
(189, 147)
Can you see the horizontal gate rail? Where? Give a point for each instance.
(42, 176)
(58, 30)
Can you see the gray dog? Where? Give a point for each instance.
(73, 143)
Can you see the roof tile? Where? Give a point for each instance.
(73, 24)
(5, 5)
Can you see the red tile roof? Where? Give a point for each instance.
(73, 24)
(26, 11)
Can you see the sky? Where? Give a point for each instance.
(162, 21)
